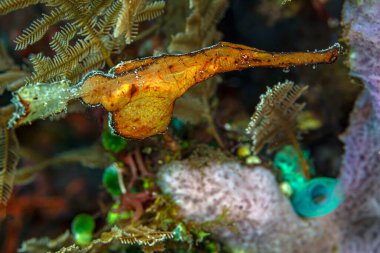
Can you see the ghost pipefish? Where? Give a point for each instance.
(140, 94)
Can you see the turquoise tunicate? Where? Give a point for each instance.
(288, 162)
(82, 228)
(317, 197)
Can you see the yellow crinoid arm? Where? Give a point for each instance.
(140, 94)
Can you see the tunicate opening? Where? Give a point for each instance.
(319, 194)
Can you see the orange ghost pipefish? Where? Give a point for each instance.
(140, 94)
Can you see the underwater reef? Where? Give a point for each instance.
(190, 126)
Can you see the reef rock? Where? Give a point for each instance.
(263, 216)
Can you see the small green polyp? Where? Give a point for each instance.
(317, 197)
(82, 228)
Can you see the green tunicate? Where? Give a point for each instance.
(82, 228)
(288, 162)
(243, 151)
(112, 142)
(179, 127)
(201, 235)
(114, 215)
(111, 181)
(252, 159)
(148, 183)
(134, 190)
(317, 197)
(184, 144)
(211, 247)
(177, 124)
